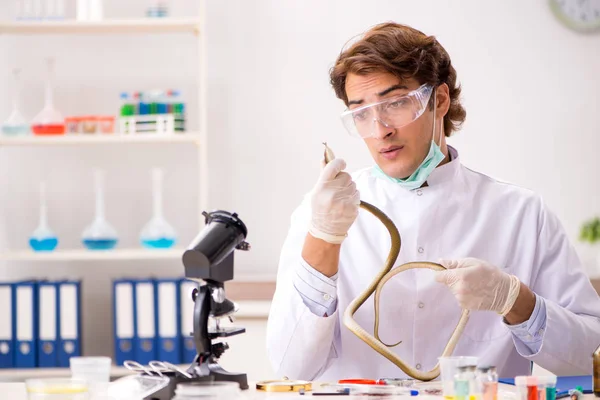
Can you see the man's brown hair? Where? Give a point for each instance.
(406, 53)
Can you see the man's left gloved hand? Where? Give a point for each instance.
(478, 285)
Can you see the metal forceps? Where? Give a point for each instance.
(155, 368)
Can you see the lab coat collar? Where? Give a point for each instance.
(447, 172)
(441, 176)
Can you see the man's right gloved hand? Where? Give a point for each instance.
(334, 202)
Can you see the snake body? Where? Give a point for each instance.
(377, 284)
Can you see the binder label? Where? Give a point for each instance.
(145, 310)
(47, 314)
(5, 317)
(124, 310)
(68, 312)
(167, 310)
(24, 316)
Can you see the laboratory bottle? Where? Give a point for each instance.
(157, 233)
(99, 235)
(49, 121)
(15, 124)
(43, 238)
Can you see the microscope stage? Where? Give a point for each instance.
(225, 332)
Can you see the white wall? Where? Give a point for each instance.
(530, 89)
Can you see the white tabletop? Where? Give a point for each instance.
(16, 391)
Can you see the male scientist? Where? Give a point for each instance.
(507, 257)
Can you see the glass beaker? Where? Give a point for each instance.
(43, 238)
(449, 368)
(16, 124)
(100, 235)
(49, 121)
(158, 233)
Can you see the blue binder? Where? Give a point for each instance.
(188, 347)
(48, 324)
(144, 343)
(69, 327)
(167, 318)
(25, 300)
(7, 325)
(124, 320)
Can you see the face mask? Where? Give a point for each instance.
(433, 158)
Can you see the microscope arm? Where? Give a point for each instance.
(201, 314)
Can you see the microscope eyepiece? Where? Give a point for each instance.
(225, 217)
(224, 232)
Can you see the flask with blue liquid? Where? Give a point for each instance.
(158, 233)
(100, 235)
(43, 238)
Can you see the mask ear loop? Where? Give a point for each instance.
(435, 117)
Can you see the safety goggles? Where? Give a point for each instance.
(394, 113)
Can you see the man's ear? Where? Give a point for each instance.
(443, 100)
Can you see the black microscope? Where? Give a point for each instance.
(209, 261)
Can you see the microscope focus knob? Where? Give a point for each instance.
(219, 348)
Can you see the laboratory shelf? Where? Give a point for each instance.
(80, 139)
(116, 26)
(92, 255)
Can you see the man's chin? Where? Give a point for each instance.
(397, 173)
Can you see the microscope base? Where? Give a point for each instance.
(225, 376)
(206, 372)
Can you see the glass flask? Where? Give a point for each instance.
(158, 233)
(43, 238)
(16, 124)
(100, 235)
(49, 121)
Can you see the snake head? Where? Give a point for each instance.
(327, 154)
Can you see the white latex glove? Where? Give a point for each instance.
(334, 203)
(478, 285)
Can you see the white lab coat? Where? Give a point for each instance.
(461, 213)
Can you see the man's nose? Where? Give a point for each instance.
(381, 130)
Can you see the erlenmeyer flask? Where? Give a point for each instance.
(158, 233)
(100, 235)
(49, 121)
(43, 238)
(16, 124)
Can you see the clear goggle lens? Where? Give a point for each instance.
(395, 112)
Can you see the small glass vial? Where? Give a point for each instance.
(596, 372)
(488, 382)
(462, 383)
(474, 392)
(547, 387)
(527, 387)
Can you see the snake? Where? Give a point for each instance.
(375, 286)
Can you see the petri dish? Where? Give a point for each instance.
(57, 389)
(207, 390)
